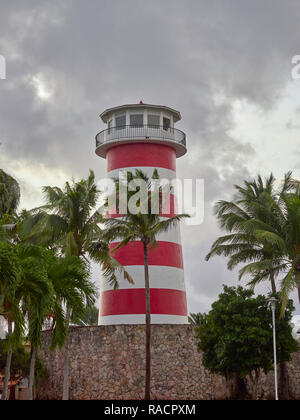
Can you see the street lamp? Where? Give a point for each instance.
(273, 307)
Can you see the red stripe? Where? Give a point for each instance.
(165, 254)
(169, 208)
(141, 154)
(133, 301)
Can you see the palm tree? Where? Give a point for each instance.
(70, 223)
(254, 207)
(9, 268)
(144, 228)
(9, 304)
(282, 233)
(35, 293)
(70, 277)
(253, 219)
(274, 236)
(9, 195)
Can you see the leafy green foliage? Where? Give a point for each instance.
(9, 271)
(90, 316)
(71, 224)
(35, 291)
(43, 271)
(20, 362)
(76, 290)
(9, 195)
(236, 336)
(196, 319)
(264, 233)
(10, 279)
(143, 226)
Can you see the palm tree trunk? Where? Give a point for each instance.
(31, 373)
(297, 277)
(7, 366)
(284, 379)
(66, 379)
(228, 387)
(148, 326)
(273, 284)
(284, 383)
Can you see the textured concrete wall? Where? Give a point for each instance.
(108, 362)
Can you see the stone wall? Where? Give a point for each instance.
(266, 382)
(108, 362)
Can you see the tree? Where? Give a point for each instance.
(35, 293)
(32, 289)
(20, 363)
(285, 237)
(196, 319)
(265, 233)
(70, 277)
(70, 223)
(27, 302)
(11, 268)
(90, 316)
(252, 220)
(38, 291)
(9, 195)
(236, 336)
(51, 283)
(9, 303)
(142, 227)
(254, 204)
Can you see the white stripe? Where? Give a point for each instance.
(140, 319)
(162, 172)
(172, 235)
(159, 277)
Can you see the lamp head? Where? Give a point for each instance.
(273, 301)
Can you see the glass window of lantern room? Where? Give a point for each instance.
(109, 125)
(136, 120)
(120, 122)
(166, 123)
(153, 120)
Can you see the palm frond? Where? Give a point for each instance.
(287, 286)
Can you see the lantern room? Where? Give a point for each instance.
(140, 123)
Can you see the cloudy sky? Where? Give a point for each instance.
(226, 65)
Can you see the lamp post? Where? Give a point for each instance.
(273, 307)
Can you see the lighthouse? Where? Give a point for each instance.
(142, 136)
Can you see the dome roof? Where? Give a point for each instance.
(106, 114)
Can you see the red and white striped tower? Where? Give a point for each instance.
(142, 136)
